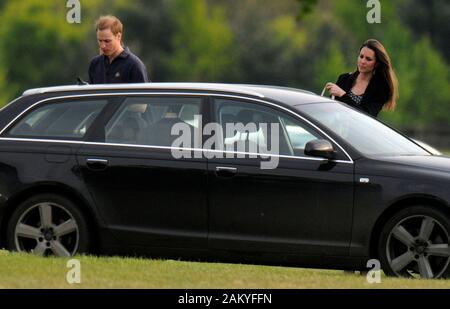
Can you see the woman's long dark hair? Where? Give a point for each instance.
(384, 67)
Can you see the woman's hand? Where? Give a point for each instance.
(335, 90)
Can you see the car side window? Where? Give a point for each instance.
(149, 120)
(68, 119)
(260, 128)
(298, 135)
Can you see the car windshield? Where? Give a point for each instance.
(363, 132)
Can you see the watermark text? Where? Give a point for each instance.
(73, 276)
(374, 14)
(74, 14)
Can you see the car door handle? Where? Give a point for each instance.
(97, 164)
(226, 172)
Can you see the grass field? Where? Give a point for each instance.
(27, 271)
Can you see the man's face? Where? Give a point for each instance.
(108, 42)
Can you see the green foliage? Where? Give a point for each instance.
(324, 71)
(269, 44)
(251, 41)
(201, 44)
(328, 54)
(4, 92)
(38, 47)
(306, 6)
(429, 87)
(288, 43)
(430, 19)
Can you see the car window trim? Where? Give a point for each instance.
(164, 148)
(210, 95)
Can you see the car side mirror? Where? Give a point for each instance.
(320, 148)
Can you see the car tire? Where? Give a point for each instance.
(415, 243)
(48, 224)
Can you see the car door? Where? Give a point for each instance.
(146, 196)
(295, 204)
(39, 146)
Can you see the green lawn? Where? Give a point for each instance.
(446, 151)
(27, 271)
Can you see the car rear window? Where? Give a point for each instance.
(70, 119)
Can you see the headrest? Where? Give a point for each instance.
(170, 115)
(137, 108)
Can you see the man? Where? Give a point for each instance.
(115, 64)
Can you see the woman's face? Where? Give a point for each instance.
(366, 60)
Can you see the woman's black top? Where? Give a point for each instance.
(372, 101)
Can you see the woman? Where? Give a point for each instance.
(373, 86)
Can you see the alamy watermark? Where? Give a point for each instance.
(374, 274)
(73, 276)
(239, 140)
(74, 14)
(374, 14)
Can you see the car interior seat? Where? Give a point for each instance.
(160, 132)
(130, 126)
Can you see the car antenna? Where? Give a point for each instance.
(81, 82)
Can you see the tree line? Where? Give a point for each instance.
(296, 43)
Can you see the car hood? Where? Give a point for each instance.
(439, 163)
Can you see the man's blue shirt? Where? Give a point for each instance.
(125, 68)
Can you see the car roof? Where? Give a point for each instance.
(290, 96)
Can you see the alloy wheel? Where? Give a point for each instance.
(418, 246)
(47, 229)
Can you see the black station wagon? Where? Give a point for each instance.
(104, 169)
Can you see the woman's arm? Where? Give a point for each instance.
(348, 100)
(343, 83)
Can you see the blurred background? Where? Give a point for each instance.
(295, 43)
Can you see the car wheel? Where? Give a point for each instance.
(415, 243)
(48, 224)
